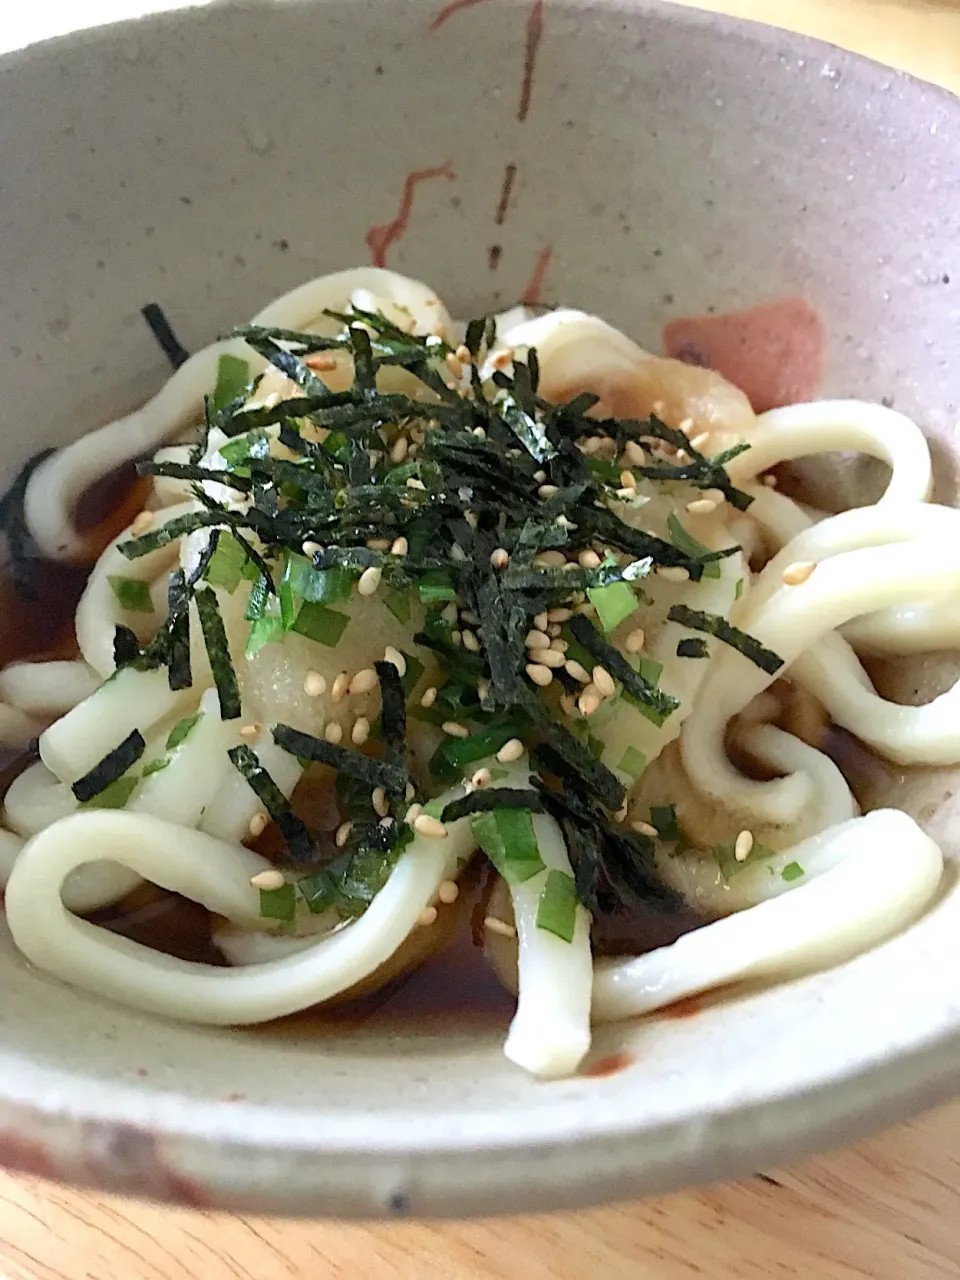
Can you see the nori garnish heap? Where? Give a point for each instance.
(493, 468)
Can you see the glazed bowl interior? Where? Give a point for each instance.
(663, 163)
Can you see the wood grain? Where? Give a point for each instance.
(888, 1209)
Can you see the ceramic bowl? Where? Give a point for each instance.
(634, 159)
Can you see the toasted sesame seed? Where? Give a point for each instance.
(448, 891)
(673, 573)
(643, 829)
(800, 571)
(510, 751)
(449, 613)
(604, 682)
(399, 547)
(559, 615)
(310, 549)
(333, 732)
(314, 684)
(540, 675)
(553, 631)
(480, 779)
(456, 639)
(412, 814)
(454, 729)
(541, 620)
(142, 523)
(628, 480)
(635, 639)
(547, 491)
(770, 481)
(537, 640)
(250, 731)
(409, 791)
(564, 522)
(549, 560)
(428, 916)
(557, 643)
(463, 354)
(551, 658)
(589, 700)
(379, 801)
(385, 822)
(470, 642)
(500, 558)
(626, 494)
(378, 544)
(483, 688)
(360, 731)
(589, 559)
(575, 669)
(429, 696)
(340, 686)
(258, 824)
(741, 850)
(269, 878)
(634, 453)
(343, 834)
(567, 704)
(499, 926)
(427, 825)
(698, 442)
(321, 362)
(363, 682)
(503, 358)
(414, 483)
(370, 580)
(686, 426)
(621, 814)
(399, 448)
(701, 507)
(540, 476)
(393, 655)
(454, 365)
(471, 519)
(479, 433)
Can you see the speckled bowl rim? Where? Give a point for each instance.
(377, 1174)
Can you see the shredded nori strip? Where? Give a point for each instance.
(162, 330)
(126, 647)
(488, 798)
(584, 632)
(692, 648)
(390, 775)
(176, 632)
(714, 625)
(218, 653)
(246, 762)
(113, 766)
(14, 525)
(393, 713)
(189, 471)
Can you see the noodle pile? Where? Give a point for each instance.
(717, 805)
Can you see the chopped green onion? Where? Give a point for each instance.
(182, 730)
(114, 796)
(156, 766)
(319, 892)
(317, 622)
(111, 768)
(398, 602)
(411, 677)
(650, 670)
(689, 545)
(278, 904)
(792, 871)
(228, 563)
(262, 631)
(233, 377)
(492, 798)
(436, 586)
(508, 839)
(557, 908)
(738, 591)
(614, 603)
(632, 763)
(255, 444)
(301, 581)
(133, 594)
(454, 755)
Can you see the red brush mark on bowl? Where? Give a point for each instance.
(533, 293)
(381, 238)
(26, 1156)
(506, 190)
(689, 1007)
(449, 10)
(773, 352)
(534, 34)
(609, 1066)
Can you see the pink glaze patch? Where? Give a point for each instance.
(773, 352)
(533, 293)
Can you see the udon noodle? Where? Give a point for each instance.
(518, 587)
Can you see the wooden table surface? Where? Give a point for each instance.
(889, 1209)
